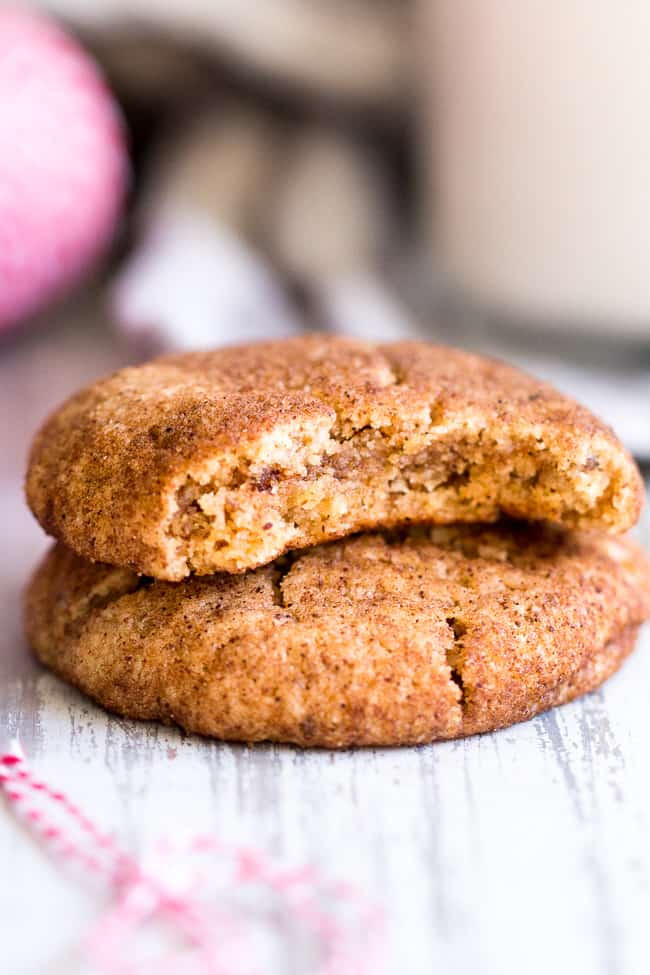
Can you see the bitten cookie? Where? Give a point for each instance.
(375, 640)
(221, 461)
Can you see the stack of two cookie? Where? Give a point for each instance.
(477, 578)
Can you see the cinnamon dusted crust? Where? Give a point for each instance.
(223, 460)
(375, 640)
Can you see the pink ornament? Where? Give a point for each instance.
(63, 164)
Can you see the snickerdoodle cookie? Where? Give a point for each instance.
(374, 640)
(221, 461)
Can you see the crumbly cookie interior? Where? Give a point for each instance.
(306, 483)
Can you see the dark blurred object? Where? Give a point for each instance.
(265, 85)
(351, 51)
(195, 276)
(331, 228)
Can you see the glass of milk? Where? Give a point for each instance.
(539, 158)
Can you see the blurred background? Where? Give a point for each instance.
(475, 174)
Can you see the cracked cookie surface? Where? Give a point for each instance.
(222, 461)
(375, 640)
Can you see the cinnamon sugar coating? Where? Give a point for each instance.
(223, 460)
(374, 640)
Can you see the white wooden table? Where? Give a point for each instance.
(526, 851)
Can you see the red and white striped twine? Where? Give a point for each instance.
(232, 908)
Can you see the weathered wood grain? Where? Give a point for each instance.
(523, 851)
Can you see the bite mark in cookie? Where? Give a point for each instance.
(221, 461)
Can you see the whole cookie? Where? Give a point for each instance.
(369, 641)
(221, 461)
